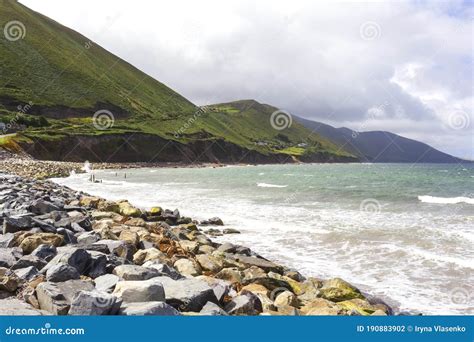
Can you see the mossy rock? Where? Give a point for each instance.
(156, 211)
(338, 290)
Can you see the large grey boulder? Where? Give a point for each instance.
(56, 298)
(29, 260)
(78, 258)
(148, 309)
(244, 304)
(140, 291)
(45, 252)
(7, 257)
(16, 307)
(212, 309)
(40, 206)
(27, 273)
(135, 272)
(106, 282)
(62, 272)
(94, 303)
(188, 294)
(164, 269)
(15, 224)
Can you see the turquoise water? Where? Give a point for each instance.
(402, 232)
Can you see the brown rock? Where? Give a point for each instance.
(30, 243)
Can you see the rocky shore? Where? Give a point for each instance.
(63, 252)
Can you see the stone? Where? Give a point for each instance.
(30, 243)
(212, 309)
(29, 260)
(94, 303)
(136, 221)
(15, 307)
(188, 294)
(7, 259)
(230, 231)
(56, 298)
(231, 274)
(89, 201)
(254, 272)
(145, 255)
(148, 309)
(7, 240)
(15, 224)
(265, 265)
(321, 307)
(135, 272)
(61, 272)
(227, 248)
(88, 238)
(361, 307)
(286, 298)
(130, 237)
(27, 273)
(164, 269)
(187, 267)
(45, 252)
(244, 304)
(106, 282)
(140, 291)
(338, 290)
(126, 209)
(108, 206)
(155, 211)
(9, 283)
(189, 246)
(98, 264)
(214, 221)
(78, 258)
(209, 263)
(40, 206)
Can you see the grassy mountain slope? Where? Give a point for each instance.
(379, 146)
(54, 79)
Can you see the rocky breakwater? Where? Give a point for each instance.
(63, 252)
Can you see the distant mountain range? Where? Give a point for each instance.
(380, 146)
(63, 97)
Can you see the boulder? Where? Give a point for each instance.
(214, 221)
(188, 294)
(7, 240)
(9, 282)
(88, 238)
(212, 309)
(106, 282)
(7, 258)
(40, 206)
(163, 269)
(140, 291)
(135, 272)
(265, 265)
(78, 258)
(187, 267)
(130, 237)
(15, 224)
(145, 255)
(231, 274)
(155, 211)
(321, 307)
(30, 243)
(244, 304)
(15, 307)
(126, 209)
(29, 260)
(338, 290)
(94, 303)
(56, 298)
(45, 252)
(148, 309)
(209, 262)
(286, 298)
(89, 201)
(61, 272)
(27, 273)
(230, 231)
(109, 206)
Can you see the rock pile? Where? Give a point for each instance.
(63, 252)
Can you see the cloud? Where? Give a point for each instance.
(405, 67)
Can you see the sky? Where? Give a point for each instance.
(399, 66)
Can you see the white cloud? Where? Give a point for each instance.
(333, 62)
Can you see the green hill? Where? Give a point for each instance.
(53, 81)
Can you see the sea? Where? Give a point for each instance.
(402, 232)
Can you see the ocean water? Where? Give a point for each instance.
(401, 232)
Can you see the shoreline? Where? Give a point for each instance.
(252, 283)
